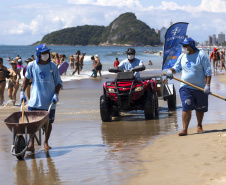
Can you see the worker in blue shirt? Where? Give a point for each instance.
(195, 68)
(46, 84)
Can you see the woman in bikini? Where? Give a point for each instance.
(13, 85)
(76, 63)
(3, 71)
(56, 60)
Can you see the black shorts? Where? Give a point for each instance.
(99, 68)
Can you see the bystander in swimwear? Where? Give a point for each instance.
(13, 84)
(3, 75)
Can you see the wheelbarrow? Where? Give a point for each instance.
(20, 128)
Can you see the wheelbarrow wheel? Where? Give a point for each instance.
(20, 146)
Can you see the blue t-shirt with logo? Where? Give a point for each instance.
(45, 78)
(194, 67)
(126, 65)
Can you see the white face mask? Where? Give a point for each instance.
(44, 57)
(131, 57)
(185, 50)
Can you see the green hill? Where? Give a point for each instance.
(124, 30)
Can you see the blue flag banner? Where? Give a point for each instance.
(172, 49)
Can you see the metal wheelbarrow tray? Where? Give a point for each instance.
(33, 122)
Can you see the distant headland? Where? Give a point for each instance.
(126, 30)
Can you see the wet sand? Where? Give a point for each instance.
(84, 150)
(87, 151)
(197, 159)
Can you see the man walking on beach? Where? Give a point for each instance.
(131, 62)
(215, 56)
(45, 88)
(195, 67)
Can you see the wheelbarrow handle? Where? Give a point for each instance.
(199, 88)
(50, 106)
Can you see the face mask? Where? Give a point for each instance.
(44, 57)
(185, 50)
(131, 57)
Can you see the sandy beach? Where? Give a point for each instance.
(88, 151)
(197, 159)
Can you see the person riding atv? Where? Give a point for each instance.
(129, 91)
(131, 62)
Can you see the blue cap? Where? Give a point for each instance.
(40, 49)
(190, 42)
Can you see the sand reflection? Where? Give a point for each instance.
(36, 170)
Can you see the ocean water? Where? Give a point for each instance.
(107, 55)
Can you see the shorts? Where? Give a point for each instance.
(51, 114)
(99, 68)
(193, 99)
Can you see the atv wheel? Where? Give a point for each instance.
(156, 104)
(105, 112)
(149, 106)
(115, 113)
(172, 100)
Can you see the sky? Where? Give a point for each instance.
(24, 22)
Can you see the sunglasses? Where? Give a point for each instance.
(13, 64)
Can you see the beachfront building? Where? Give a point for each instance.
(162, 34)
(210, 41)
(157, 31)
(214, 40)
(221, 38)
(205, 43)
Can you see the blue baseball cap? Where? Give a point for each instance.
(40, 49)
(190, 42)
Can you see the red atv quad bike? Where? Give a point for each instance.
(128, 93)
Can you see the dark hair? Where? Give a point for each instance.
(1, 59)
(92, 58)
(78, 52)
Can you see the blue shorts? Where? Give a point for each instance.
(51, 114)
(193, 99)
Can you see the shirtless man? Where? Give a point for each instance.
(72, 62)
(76, 63)
(3, 71)
(81, 61)
(98, 65)
(13, 85)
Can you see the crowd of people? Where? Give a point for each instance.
(76, 62)
(218, 59)
(14, 75)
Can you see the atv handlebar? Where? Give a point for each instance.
(135, 69)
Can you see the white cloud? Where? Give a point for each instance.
(205, 19)
(216, 6)
(116, 3)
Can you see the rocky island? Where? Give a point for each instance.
(126, 30)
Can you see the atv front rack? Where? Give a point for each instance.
(131, 88)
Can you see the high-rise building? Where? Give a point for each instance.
(162, 34)
(210, 41)
(221, 38)
(214, 40)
